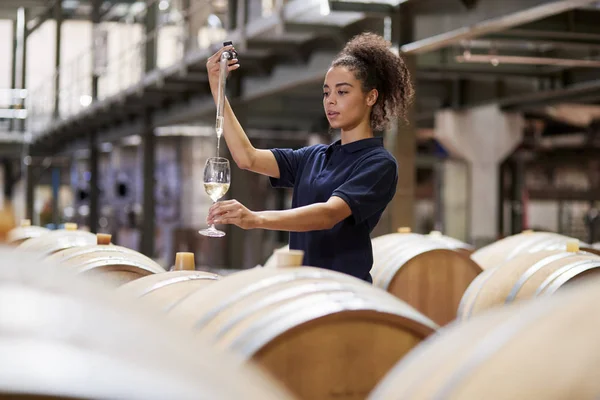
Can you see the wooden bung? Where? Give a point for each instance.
(404, 229)
(573, 245)
(103, 238)
(70, 226)
(289, 258)
(184, 262)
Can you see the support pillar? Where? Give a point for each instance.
(95, 19)
(517, 210)
(55, 194)
(29, 189)
(401, 139)
(483, 137)
(454, 202)
(151, 48)
(58, 16)
(93, 145)
(502, 172)
(148, 168)
(20, 71)
(94, 190)
(14, 65)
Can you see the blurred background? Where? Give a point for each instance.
(106, 117)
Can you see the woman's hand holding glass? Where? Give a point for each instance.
(217, 178)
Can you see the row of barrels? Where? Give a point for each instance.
(320, 334)
(526, 325)
(276, 317)
(429, 272)
(444, 278)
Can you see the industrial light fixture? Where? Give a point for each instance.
(163, 5)
(325, 9)
(85, 100)
(392, 3)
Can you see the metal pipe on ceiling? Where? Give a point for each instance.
(493, 25)
(496, 59)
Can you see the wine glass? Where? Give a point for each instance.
(217, 177)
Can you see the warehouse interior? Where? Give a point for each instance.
(98, 77)
(107, 121)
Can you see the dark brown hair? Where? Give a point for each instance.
(369, 56)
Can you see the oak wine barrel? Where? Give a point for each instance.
(526, 276)
(424, 272)
(113, 267)
(548, 348)
(452, 243)
(113, 264)
(323, 334)
(166, 289)
(63, 337)
(503, 250)
(58, 240)
(24, 232)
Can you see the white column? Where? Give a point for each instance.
(482, 137)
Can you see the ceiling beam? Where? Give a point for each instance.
(572, 92)
(592, 38)
(39, 19)
(368, 8)
(493, 25)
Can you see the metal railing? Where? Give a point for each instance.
(118, 55)
(12, 114)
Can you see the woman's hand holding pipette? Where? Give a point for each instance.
(213, 69)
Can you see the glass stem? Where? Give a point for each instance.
(212, 226)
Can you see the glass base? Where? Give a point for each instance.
(212, 232)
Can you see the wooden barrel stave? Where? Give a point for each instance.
(532, 279)
(166, 289)
(105, 347)
(423, 272)
(114, 268)
(518, 279)
(494, 286)
(68, 254)
(569, 273)
(386, 268)
(54, 241)
(271, 316)
(240, 285)
(434, 283)
(543, 349)
(21, 234)
(234, 319)
(472, 292)
(433, 360)
(503, 250)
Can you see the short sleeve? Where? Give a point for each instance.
(289, 162)
(370, 189)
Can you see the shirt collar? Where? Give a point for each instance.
(358, 145)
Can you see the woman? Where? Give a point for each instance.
(340, 190)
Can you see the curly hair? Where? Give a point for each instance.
(369, 56)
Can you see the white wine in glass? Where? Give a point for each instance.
(217, 178)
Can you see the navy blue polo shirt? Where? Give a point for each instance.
(362, 173)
